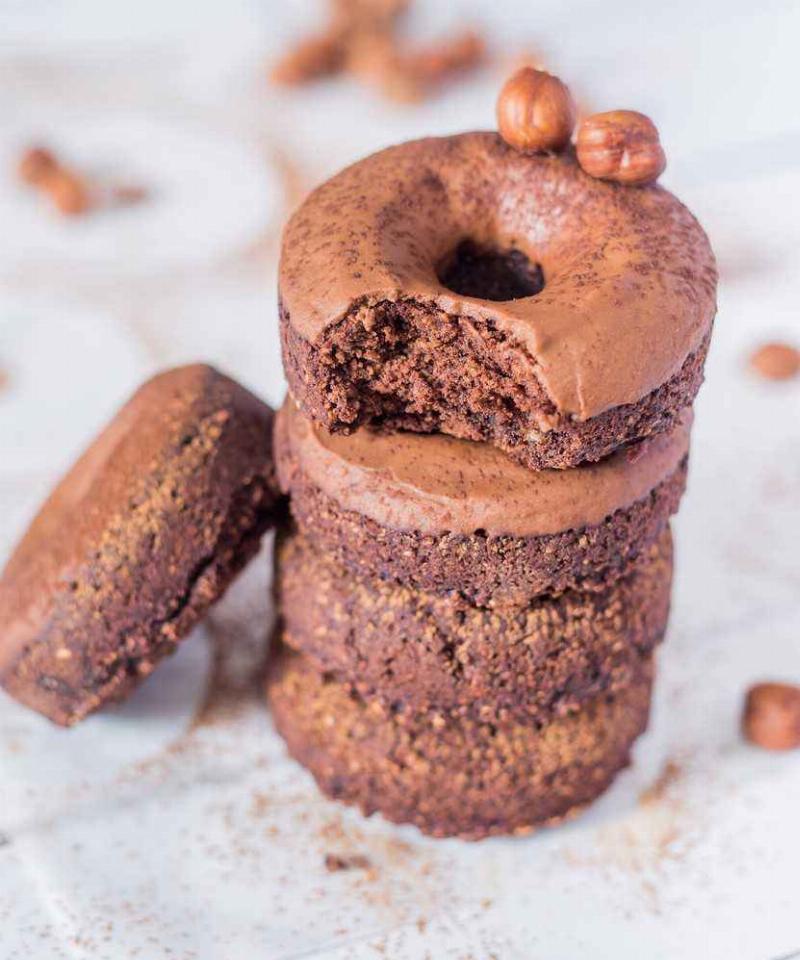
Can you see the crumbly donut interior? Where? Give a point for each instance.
(436, 371)
(407, 364)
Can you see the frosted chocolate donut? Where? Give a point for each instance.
(455, 285)
(453, 776)
(436, 513)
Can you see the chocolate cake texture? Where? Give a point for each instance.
(425, 651)
(441, 514)
(141, 536)
(453, 776)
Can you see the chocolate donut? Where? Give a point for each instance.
(441, 514)
(426, 651)
(453, 776)
(456, 285)
(143, 534)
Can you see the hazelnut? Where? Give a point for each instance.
(379, 13)
(620, 145)
(776, 361)
(447, 57)
(36, 164)
(772, 716)
(371, 55)
(535, 111)
(69, 192)
(312, 58)
(411, 76)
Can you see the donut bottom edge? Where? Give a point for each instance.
(453, 776)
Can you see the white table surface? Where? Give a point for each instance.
(175, 827)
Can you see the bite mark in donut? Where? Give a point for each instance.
(610, 349)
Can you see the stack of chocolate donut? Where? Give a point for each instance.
(492, 359)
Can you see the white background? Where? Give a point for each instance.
(175, 827)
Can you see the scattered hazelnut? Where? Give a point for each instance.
(36, 164)
(371, 55)
(376, 12)
(361, 38)
(440, 60)
(68, 192)
(535, 111)
(776, 361)
(409, 76)
(772, 716)
(620, 145)
(312, 58)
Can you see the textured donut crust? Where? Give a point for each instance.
(421, 650)
(453, 776)
(483, 569)
(403, 366)
(104, 588)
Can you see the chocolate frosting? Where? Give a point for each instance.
(434, 484)
(630, 279)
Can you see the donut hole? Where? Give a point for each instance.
(488, 273)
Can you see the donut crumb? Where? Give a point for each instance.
(336, 862)
(361, 38)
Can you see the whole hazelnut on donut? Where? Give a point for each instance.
(535, 111)
(621, 145)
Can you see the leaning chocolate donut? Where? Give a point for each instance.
(136, 542)
(455, 285)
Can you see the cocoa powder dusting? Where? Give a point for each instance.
(336, 862)
(670, 774)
